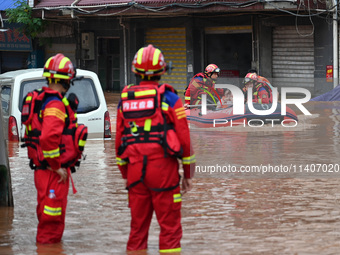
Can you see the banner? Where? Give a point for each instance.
(14, 40)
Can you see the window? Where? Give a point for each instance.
(87, 95)
(84, 89)
(28, 86)
(5, 96)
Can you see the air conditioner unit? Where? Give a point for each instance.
(87, 45)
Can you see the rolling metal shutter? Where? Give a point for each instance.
(172, 42)
(293, 57)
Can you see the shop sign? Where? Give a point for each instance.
(14, 40)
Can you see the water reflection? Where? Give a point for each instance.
(223, 214)
(6, 222)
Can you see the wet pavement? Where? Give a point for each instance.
(295, 212)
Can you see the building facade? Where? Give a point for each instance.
(292, 43)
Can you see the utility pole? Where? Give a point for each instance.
(6, 195)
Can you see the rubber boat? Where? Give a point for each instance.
(223, 117)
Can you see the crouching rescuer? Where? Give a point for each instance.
(55, 143)
(152, 134)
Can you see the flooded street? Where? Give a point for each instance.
(294, 209)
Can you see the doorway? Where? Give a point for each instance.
(232, 53)
(109, 63)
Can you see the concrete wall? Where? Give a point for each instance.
(323, 45)
(265, 50)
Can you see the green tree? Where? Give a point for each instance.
(23, 14)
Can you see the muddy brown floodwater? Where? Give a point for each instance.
(294, 209)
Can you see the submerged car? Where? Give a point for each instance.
(92, 109)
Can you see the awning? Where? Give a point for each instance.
(6, 4)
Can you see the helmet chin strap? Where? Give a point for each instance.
(66, 84)
(209, 76)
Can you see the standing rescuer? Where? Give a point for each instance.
(152, 133)
(54, 144)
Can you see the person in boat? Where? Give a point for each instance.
(262, 93)
(203, 83)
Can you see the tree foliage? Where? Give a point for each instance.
(23, 14)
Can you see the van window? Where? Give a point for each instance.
(5, 96)
(87, 95)
(28, 86)
(84, 89)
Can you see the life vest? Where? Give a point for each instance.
(268, 87)
(73, 138)
(207, 87)
(256, 90)
(146, 130)
(204, 79)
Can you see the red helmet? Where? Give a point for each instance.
(149, 61)
(250, 77)
(59, 67)
(212, 68)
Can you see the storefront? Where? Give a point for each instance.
(15, 49)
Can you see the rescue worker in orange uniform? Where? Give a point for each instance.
(51, 214)
(204, 83)
(262, 92)
(151, 135)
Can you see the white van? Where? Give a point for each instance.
(92, 110)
